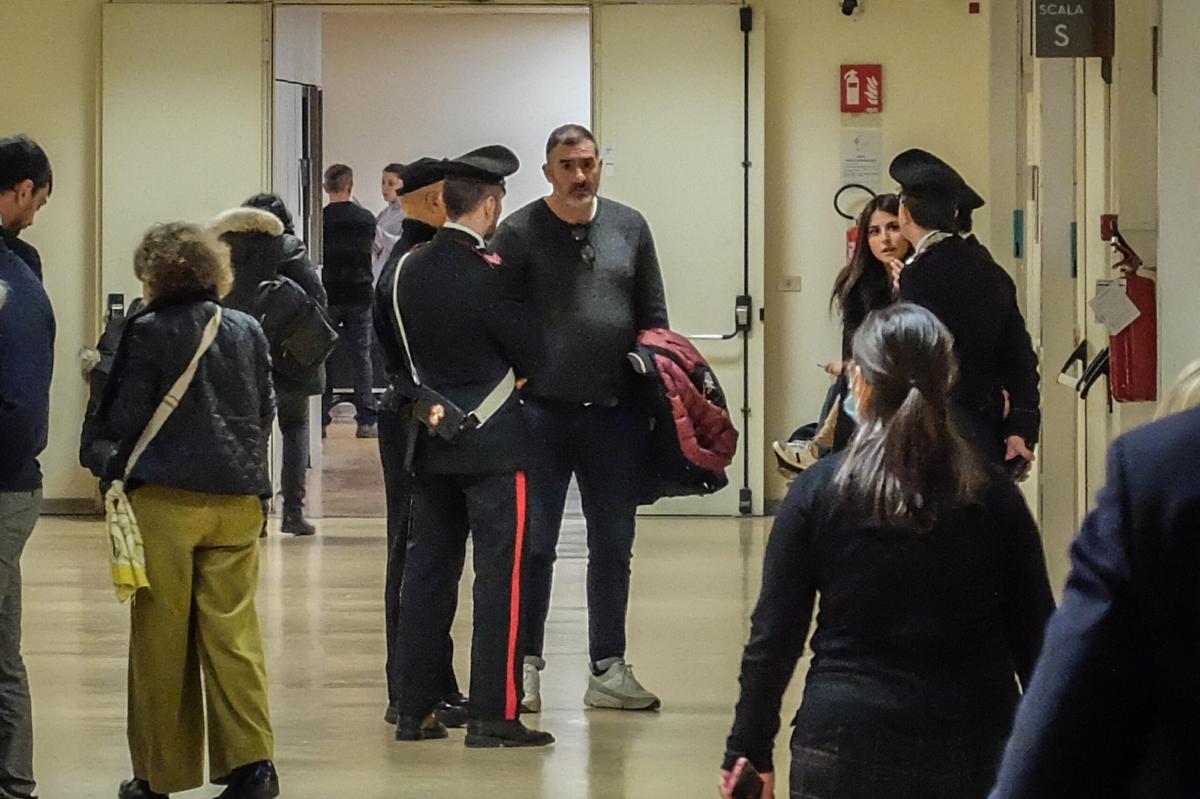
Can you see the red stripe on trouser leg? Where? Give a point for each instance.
(512, 701)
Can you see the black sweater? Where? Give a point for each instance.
(349, 235)
(590, 313)
(872, 292)
(920, 635)
(977, 300)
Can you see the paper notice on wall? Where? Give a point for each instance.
(862, 157)
(609, 155)
(1112, 306)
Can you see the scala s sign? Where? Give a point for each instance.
(1075, 28)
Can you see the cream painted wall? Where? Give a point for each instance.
(936, 96)
(52, 54)
(405, 83)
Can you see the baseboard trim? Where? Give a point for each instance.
(71, 506)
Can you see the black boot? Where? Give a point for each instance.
(252, 781)
(138, 789)
(392, 714)
(410, 728)
(504, 735)
(294, 523)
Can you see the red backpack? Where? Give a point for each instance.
(692, 439)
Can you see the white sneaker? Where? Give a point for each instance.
(531, 684)
(616, 688)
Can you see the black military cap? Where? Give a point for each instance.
(491, 164)
(969, 199)
(421, 173)
(923, 174)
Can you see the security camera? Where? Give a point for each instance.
(848, 6)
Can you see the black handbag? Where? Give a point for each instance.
(297, 327)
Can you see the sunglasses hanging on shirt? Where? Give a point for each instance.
(586, 251)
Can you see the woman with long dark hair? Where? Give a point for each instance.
(933, 593)
(865, 284)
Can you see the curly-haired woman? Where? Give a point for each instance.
(196, 493)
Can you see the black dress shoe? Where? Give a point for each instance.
(410, 728)
(138, 789)
(453, 716)
(392, 714)
(252, 781)
(504, 735)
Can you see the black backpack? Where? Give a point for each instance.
(297, 327)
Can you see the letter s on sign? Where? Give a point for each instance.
(1061, 39)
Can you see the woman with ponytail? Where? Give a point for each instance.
(933, 594)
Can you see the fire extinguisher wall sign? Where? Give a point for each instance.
(861, 88)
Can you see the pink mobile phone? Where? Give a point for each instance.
(744, 782)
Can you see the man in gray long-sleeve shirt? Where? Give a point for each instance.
(588, 267)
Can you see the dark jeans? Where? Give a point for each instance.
(292, 412)
(353, 323)
(397, 488)
(18, 514)
(603, 448)
(905, 771)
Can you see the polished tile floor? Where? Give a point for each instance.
(321, 607)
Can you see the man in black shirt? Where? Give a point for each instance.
(588, 268)
(349, 234)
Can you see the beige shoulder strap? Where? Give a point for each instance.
(171, 401)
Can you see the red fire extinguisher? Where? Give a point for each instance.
(852, 231)
(1133, 353)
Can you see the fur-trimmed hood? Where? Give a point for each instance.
(246, 220)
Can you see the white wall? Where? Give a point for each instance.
(1179, 175)
(298, 45)
(405, 83)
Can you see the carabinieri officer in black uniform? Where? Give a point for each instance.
(468, 345)
(975, 298)
(421, 199)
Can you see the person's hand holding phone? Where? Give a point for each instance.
(743, 782)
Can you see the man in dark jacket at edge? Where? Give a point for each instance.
(589, 269)
(262, 247)
(420, 201)
(1113, 707)
(975, 298)
(26, 364)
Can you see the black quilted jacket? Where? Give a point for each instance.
(216, 440)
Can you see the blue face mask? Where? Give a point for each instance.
(850, 405)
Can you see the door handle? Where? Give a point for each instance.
(741, 322)
(1097, 369)
(1079, 356)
